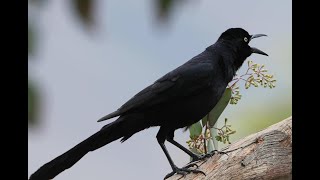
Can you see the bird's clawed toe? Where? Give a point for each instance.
(191, 165)
(184, 171)
(216, 152)
(208, 155)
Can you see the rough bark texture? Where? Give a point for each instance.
(263, 155)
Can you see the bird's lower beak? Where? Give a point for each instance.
(256, 50)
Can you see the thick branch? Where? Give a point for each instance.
(263, 155)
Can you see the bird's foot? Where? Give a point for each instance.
(208, 155)
(184, 171)
(191, 164)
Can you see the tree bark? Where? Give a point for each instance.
(263, 155)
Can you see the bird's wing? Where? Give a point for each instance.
(181, 82)
(185, 80)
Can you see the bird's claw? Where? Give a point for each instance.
(191, 165)
(184, 171)
(218, 152)
(208, 155)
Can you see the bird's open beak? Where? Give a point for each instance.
(256, 50)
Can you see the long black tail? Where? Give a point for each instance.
(111, 132)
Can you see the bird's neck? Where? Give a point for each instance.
(229, 52)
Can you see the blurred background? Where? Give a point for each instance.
(88, 57)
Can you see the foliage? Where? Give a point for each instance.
(224, 132)
(84, 10)
(32, 104)
(255, 75)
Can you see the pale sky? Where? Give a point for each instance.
(85, 76)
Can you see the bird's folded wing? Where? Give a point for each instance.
(184, 81)
(179, 83)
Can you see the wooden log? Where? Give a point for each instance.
(264, 155)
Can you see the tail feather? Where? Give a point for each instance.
(106, 135)
(109, 116)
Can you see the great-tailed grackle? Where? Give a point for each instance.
(176, 100)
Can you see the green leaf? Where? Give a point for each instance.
(231, 132)
(204, 120)
(224, 140)
(214, 133)
(33, 104)
(210, 146)
(37, 2)
(219, 138)
(84, 10)
(215, 113)
(194, 150)
(30, 39)
(227, 138)
(163, 8)
(195, 130)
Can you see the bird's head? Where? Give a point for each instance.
(238, 39)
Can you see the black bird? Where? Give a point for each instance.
(177, 100)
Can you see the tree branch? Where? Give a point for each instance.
(263, 155)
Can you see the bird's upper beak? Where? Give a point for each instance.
(256, 50)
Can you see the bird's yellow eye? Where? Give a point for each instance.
(245, 39)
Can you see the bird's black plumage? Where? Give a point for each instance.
(176, 100)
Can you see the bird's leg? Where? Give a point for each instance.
(194, 156)
(183, 171)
